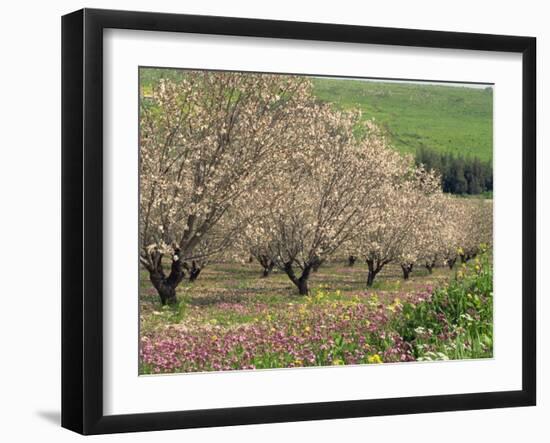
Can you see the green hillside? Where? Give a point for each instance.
(442, 118)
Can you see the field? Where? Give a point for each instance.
(232, 318)
(443, 118)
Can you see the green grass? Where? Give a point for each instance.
(234, 283)
(443, 118)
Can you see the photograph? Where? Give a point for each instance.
(291, 221)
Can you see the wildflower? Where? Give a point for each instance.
(374, 359)
(395, 305)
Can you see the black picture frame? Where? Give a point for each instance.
(82, 215)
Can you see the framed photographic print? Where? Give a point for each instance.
(269, 221)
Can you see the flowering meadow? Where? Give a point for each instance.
(233, 319)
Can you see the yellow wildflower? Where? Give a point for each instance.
(374, 359)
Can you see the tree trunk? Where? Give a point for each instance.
(302, 286)
(300, 282)
(316, 265)
(165, 286)
(268, 269)
(373, 271)
(370, 278)
(429, 267)
(407, 269)
(465, 258)
(351, 260)
(194, 271)
(266, 263)
(451, 263)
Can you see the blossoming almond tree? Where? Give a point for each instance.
(320, 194)
(399, 225)
(439, 243)
(476, 227)
(205, 141)
(422, 207)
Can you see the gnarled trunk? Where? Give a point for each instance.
(164, 285)
(407, 269)
(316, 265)
(374, 268)
(370, 278)
(267, 270)
(351, 260)
(302, 287)
(266, 263)
(465, 258)
(300, 282)
(430, 265)
(194, 270)
(451, 263)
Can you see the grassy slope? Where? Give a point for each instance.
(444, 118)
